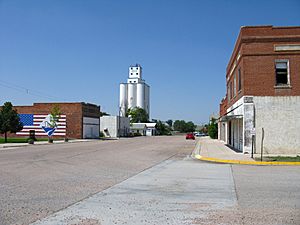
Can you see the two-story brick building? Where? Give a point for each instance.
(263, 91)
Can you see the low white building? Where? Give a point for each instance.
(145, 129)
(115, 126)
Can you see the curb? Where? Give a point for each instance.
(45, 143)
(14, 146)
(216, 160)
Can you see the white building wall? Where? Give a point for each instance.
(110, 125)
(91, 127)
(278, 115)
(123, 126)
(280, 118)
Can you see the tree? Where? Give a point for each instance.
(104, 114)
(162, 129)
(137, 115)
(179, 125)
(204, 129)
(184, 127)
(213, 129)
(170, 122)
(55, 114)
(190, 126)
(9, 120)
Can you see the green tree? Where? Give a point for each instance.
(170, 122)
(137, 115)
(55, 114)
(9, 120)
(213, 129)
(190, 126)
(104, 114)
(184, 127)
(162, 129)
(179, 125)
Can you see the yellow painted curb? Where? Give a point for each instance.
(245, 162)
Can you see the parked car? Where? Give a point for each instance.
(198, 134)
(190, 136)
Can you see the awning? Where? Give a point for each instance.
(231, 117)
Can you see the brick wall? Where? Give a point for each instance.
(254, 54)
(262, 34)
(74, 114)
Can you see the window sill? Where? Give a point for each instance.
(283, 87)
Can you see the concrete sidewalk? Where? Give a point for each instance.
(216, 151)
(210, 148)
(173, 192)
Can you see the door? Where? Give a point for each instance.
(229, 133)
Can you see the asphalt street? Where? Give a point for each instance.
(37, 181)
(141, 181)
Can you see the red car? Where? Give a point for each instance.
(190, 136)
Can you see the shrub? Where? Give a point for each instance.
(101, 134)
(213, 129)
(30, 141)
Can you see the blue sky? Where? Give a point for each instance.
(80, 50)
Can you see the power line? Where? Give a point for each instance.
(27, 90)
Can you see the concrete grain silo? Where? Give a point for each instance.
(140, 95)
(123, 99)
(134, 93)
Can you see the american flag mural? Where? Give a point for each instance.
(34, 122)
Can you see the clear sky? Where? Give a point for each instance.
(80, 50)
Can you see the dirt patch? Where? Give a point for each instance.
(250, 217)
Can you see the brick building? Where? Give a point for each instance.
(78, 120)
(263, 91)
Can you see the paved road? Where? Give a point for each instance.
(164, 186)
(39, 180)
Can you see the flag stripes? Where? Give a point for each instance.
(32, 122)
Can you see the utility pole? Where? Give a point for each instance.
(119, 122)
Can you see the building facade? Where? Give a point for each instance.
(134, 93)
(77, 120)
(145, 129)
(262, 104)
(115, 126)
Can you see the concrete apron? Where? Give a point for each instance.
(172, 192)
